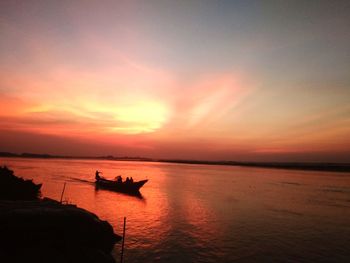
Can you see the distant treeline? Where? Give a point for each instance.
(35, 155)
(28, 155)
(332, 167)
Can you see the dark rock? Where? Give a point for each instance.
(46, 228)
(15, 188)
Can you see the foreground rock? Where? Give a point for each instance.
(44, 230)
(15, 188)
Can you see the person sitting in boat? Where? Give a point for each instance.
(97, 175)
(131, 180)
(119, 179)
(127, 180)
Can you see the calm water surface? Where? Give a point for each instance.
(201, 213)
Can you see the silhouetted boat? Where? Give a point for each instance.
(123, 187)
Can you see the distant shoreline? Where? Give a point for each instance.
(327, 167)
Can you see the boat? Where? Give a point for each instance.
(123, 187)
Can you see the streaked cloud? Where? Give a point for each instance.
(196, 80)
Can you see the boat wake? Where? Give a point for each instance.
(73, 179)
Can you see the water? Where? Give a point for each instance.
(201, 213)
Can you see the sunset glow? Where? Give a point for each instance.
(164, 81)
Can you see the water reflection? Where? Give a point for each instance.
(132, 194)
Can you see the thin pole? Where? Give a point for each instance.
(64, 187)
(121, 255)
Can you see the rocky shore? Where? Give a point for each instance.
(43, 230)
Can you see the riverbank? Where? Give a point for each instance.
(44, 230)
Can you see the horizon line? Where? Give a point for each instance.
(311, 166)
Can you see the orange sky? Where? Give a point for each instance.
(167, 80)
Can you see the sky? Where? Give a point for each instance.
(204, 80)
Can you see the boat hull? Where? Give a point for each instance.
(124, 187)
